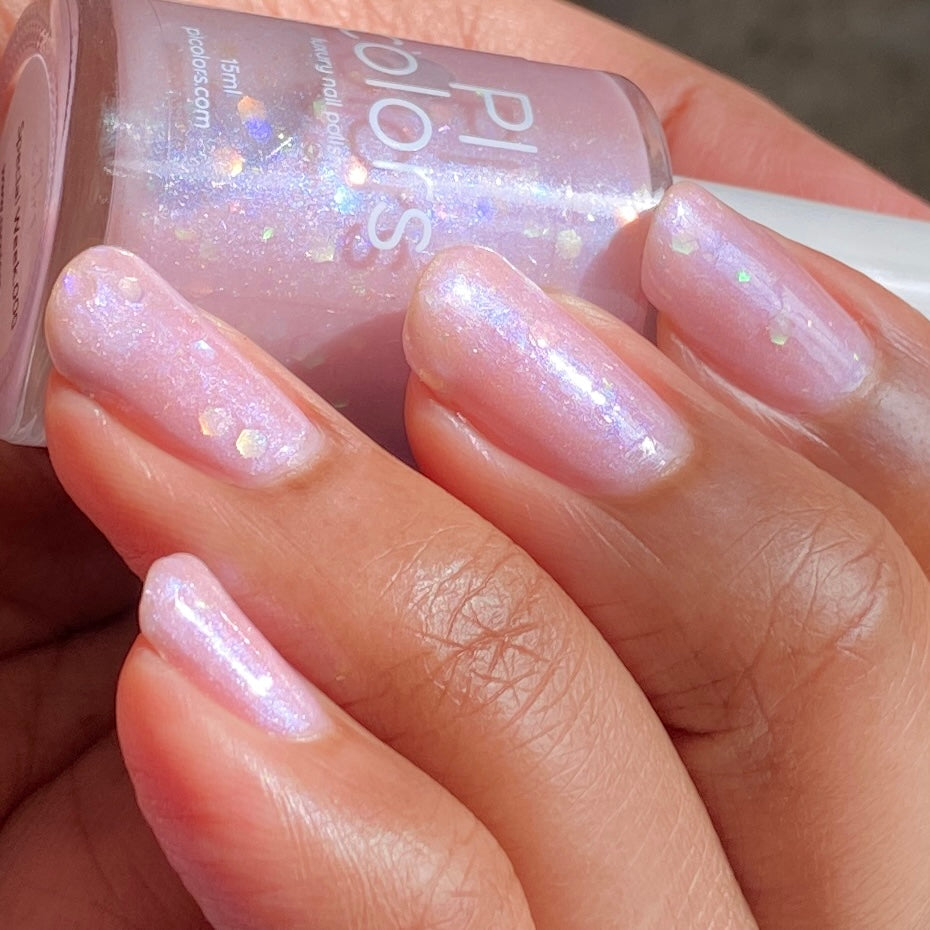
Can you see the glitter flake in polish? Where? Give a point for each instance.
(494, 347)
(734, 295)
(123, 336)
(193, 624)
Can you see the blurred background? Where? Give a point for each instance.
(857, 71)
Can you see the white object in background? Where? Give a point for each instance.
(891, 250)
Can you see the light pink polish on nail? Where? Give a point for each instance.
(496, 348)
(121, 334)
(736, 297)
(294, 180)
(194, 625)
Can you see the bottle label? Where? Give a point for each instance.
(24, 150)
(285, 163)
(375, 113)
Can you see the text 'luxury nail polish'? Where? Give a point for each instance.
(294, 180)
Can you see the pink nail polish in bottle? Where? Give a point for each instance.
(294, 180)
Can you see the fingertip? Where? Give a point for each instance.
(431, 321)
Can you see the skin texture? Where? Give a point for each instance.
(732, 661)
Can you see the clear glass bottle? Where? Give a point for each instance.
(294, 180)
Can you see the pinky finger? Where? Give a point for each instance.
(274, 807)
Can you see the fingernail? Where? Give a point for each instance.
(193, 624)
(492, 346)
(122, 335)
(735, 296)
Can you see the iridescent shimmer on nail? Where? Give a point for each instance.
(495, 348)
(119, 333)
(736, 296)
(195, 626)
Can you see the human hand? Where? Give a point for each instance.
(105, 858)
(731, 605)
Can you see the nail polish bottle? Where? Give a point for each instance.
(294, 180)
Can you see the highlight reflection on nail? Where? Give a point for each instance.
(495, 348)
(194, 625)
(119, 332)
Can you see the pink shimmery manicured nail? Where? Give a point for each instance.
(742, 303)
(122, 335)
(194, 626)
(494, 347)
